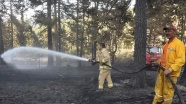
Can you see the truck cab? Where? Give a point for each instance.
(153, 53)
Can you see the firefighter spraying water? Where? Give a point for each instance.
(105, 71)
(167, 76)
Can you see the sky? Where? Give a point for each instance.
(133, 3)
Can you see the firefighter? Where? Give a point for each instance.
(104, 71)
(172, 59)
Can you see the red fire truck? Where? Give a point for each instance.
(153, 53)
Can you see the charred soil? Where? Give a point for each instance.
(70, 86)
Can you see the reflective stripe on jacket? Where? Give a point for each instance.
(175, 56)
(103, 57)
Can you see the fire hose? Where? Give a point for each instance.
(97, 62)
(173, 84)
(156, 65)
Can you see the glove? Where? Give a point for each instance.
(94, 62)
(155, 64)
(89, 60)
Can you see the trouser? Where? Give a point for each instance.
(105, 74)
(164, 90)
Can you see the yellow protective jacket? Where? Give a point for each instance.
(175, 57)
(103, 57)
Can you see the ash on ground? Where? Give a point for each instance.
(71, 85)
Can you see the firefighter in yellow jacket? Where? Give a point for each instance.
(105, 72)
(173, 58)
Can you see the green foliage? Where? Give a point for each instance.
(101, 23)
(41, 18)
(36, 2)
(114, 26)
(162, 12)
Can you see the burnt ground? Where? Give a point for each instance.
(70, 86)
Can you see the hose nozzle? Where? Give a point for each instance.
(93, 62)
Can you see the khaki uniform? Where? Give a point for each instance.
(105, 72)
(175, 59)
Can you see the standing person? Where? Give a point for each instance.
(173, 58)
(105, 72)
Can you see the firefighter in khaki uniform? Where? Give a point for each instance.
(105, 72)
(172, 60)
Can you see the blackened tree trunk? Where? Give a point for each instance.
(11, 23)
(94, 50)
(139, 79)
(59, 27)
(22, 37)
(50, 58)
(82, 35)
(77, 28)
(150, 35)
(182, 27)
(83, 31)
(58, 37)
(1, 41)
(55, 26)
(56, 31)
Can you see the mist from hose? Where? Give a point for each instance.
(19, 56)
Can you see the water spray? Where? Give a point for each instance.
(23, 52)
(7, 54)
